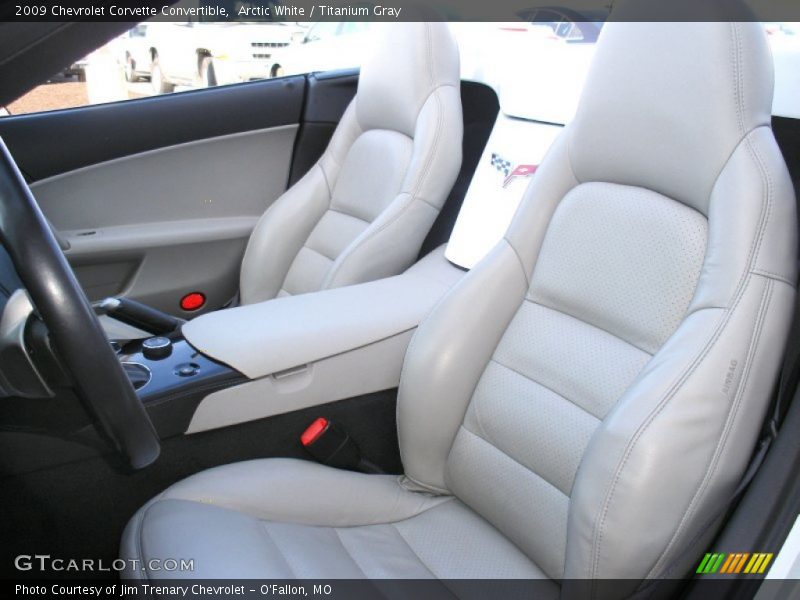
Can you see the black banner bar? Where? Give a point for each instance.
(391, 10)
(392, 589)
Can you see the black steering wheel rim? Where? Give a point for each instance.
(75, 331)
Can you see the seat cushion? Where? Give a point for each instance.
(283, 518)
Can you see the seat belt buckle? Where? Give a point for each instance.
(331, 445)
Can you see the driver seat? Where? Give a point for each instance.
(582, 403)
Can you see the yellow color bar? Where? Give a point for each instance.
(758, 563)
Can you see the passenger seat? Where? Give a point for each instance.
(364, 209)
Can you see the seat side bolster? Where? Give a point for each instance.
(673, 449)
(452, 347)
(447, 356)
(391, 243)
(279, 236)
(287, 224)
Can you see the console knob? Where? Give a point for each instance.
(187, 369)
(156, 348)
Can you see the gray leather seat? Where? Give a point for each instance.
(364, 209)
(582, 403)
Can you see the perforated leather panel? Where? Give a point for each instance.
(623, 259)
(615, 276)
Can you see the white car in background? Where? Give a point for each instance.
(570, 26)
(205, 54)
(784, 39)
(326, 46)
(133, 52)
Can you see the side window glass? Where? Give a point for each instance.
(161, 57)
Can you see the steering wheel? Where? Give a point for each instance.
(77, 335)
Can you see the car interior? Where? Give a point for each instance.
(283, 329)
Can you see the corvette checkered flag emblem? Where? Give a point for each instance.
(504, 166)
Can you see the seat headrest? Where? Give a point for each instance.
(408, 61)
(665, 104)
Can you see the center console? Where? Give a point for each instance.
(172, 378)
(285, 354)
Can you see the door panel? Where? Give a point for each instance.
(179, 216)
(158, 264)
(168, 209)
(230, 176)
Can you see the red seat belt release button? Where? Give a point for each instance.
(314, 431)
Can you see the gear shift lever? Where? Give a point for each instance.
(138, 315)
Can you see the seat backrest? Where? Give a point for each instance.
(595, 386)
(364, 209)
